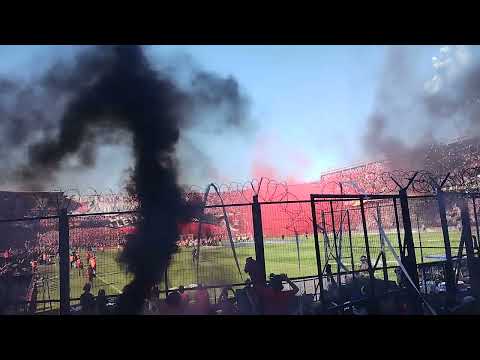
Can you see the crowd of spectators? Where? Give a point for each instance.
(256, 297)
(188, 241)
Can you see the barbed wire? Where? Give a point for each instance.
(371, 179)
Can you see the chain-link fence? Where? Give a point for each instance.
(288, 240)
(225, 243)
(29, 265)
(358, 237)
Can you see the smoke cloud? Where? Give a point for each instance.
(413, 118)
(106, 96)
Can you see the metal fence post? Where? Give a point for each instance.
(258, 236)
(410, 258)
(476, 224)
(350, 242)
(449, 273)
(64, 252)
(367, 248)
(335, 244)
(166, 282)
(400, 247)
(326, 246)
(382, 245)
(419, 239)
(421, 255)
(317, 249)
(472, 262)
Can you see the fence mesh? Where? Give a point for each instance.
(289, 247)
(288, 240)
(215, 263)
(96, 241)
(29, 265)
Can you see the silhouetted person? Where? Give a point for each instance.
(79, 266)
(174, 304)
(202, 300)
(101, 302)
(93, 263)
(185, 299)
(253, 270)
(225, 304)
(274, 300)
(332, 286)
(247, 300)
(90, 274)
(87, 300)
(72, 260)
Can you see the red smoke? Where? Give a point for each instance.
(263, 169)
(275, 159)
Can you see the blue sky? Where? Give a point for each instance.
(310, 98)
(312, 102)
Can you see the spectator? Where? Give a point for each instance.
(253, 270)
(226, 305)
(274, 300)
(185, 299)
(101, 302)
(34, 265)
(194, 255)
(364, 266)
(332, 287)
(87, 300)
(93, 264)
(90, 274)
(247, 300)
(174, 304)
(6, 257)
(202, 300)
(72, 260)
(79, 266)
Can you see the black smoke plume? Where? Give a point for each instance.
(414, 118)
(109, 91)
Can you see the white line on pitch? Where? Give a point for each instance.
(113, 286)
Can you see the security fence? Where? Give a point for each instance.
(425, 244)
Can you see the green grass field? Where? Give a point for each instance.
(217, 265)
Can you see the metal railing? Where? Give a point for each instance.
(283, 242)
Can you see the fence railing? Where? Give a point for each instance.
(295, 237)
